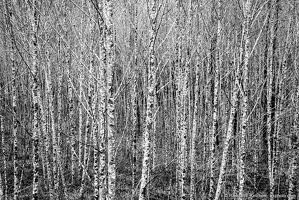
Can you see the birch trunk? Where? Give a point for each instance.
(53, 129)
(270, 96)
(3, 93)
(102, 146)
(294, 134)
(89, 119)
(35, 97)
(229, 132)
(59, 168)
(3, 157)
(214, 67)
(215, 101)
(183, 134)
(80, 113)
(72, 128)
(294, 143)
(1, 188)
(194, 134)
(108, 11)
(47, 138)
(134, 100)
(95, 121)
(228, 136)
(15, 125)
(178, 95)
(244, 102)
(14, 100)
(101, 107)
(149, 128)
(95, 150)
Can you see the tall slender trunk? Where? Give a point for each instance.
(102, 145)
(46, 133)
(53, 128)
(149, 128)
(89, 118)
(270, 96)
(194, 134)
(108, 12)
(135, 99)
(80, 112)
(87, 137)
(15, 125)
(228, 137)
(14, 98)
(95, 148)
(1, 188)
(101, 107)
(183, 132)
(264, 155)
(229, 131)
(294, 143)
(215, 99)
(214, 67)
(3, 157)
(35, 97)
(72, 127)
(244, 102)
(95, 128)
(59, 167)
(178, 91)
(3, 96)
(294, 134)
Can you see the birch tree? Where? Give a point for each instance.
(293, 166)
(90, 95)
(1, 187)
(149, 128)
(270, 95)
(53, 128)
(178, 91)
(229, 131)
(9, 11)
(3, 95)
(212, 141)
(46, 133)
(244, 102)
(101, 107)
(3, 157)
(215, 41)
(80, 112)
(35, 97)
(134, 98)
(108, 12)
(58, 159)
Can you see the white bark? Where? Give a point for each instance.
(2, 187)
(101, 107)
(215, 102)
(47, 136)
(244, 102)
(194, 134)
(149, 128)
(35, 97)
(108, 11)
(294, 143)
(134, 97)
(14, 100)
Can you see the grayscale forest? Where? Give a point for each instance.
(149, 99)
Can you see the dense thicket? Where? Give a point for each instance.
(149, 99)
